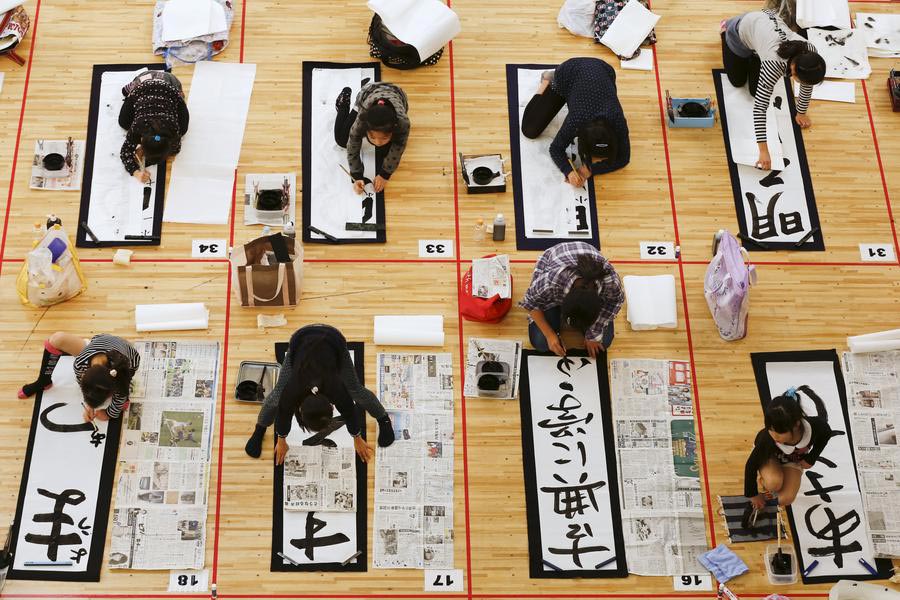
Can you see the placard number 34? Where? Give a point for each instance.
(213, 249)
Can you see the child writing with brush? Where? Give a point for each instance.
(104, 366)
(790, 443)
(156, 117)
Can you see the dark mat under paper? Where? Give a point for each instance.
(733, 513)
(777, 208)
(83, 240)
(329, 202)
(357, 349)
(541, 199)
(67, 481)
(569, 459)
(827, 518)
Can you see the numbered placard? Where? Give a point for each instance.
(692, 583)
(657, 251)
(209, 249)
(435, 248)
(877, 253)
(443, 580)
(189, 581)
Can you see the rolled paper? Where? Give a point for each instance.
(171, 317)
(874, 345)
(651, 301)
(122, 257)
(409, 330)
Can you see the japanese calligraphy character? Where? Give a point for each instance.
(310, 542)
(831, 532)
(575, 534)
(571, 500)
(58, 518)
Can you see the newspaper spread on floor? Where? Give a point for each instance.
(492, 368)
(662, 508)
(873, 388)
(490, 277)
(414, 476)
(159, 521)
(318, 478)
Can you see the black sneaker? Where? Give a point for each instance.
(343, 99)
(254, 444)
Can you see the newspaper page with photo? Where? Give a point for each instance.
(414, 476)
(159, 520)
(662, 508)
(873, 390)
(490, 277)
(319, 478)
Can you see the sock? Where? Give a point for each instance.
(385, 432)
(44, 380)
(254, 444)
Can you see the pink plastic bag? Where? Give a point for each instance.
(727, 286)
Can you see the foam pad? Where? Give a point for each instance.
(651, 302)
(629, 29)
(427, 25)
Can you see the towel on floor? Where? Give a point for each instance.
(724, 564)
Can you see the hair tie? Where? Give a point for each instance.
(314, 390)
(113, 372)
(380, 103)
(792, 392)
(156, 138)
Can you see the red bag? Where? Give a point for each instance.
(484, 310)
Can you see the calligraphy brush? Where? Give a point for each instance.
(344, 169)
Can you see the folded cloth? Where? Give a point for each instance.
(724, 564)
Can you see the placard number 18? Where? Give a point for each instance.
(191, 580)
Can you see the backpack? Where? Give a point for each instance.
(726, 286)
(394, 53)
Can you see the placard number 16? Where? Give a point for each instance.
(691, 580)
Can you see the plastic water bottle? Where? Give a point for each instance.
(267, 230)
(499, 228)
(478, 232)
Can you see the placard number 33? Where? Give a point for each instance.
(435, 248)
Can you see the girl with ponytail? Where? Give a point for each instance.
(790, 443)
(760, 49)
(573, 285)
(156, 117)
(104, 367)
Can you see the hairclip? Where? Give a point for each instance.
(380, 103)
(598, 146)
(113, 372)
(156, 138)
(792, 392)
(314, 390)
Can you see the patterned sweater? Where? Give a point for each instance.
(101, 344)
(366, 97)
(154, 99)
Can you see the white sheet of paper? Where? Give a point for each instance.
(651, 301)
(333, 201)
(409, 330)
(823, 13)
(835, 91)
(819, 376)
(425, 24)
(116, 200)
(590, 467)
(61, 461)
(882, 32)
(6, 5)
(202, 182)
(844, 51)
(741, 133)
(171, 317)
(642, 62)
(549, 201)
(186, 19)
(788, 192)
(629, 29)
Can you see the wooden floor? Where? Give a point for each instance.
(676, 188)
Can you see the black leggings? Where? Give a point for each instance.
(541, 109)
(342, 125)
(740, 70)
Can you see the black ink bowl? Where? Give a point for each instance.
(269, 200)
(54, 161)
(483, 175)
(692, 110)
(247, 390)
